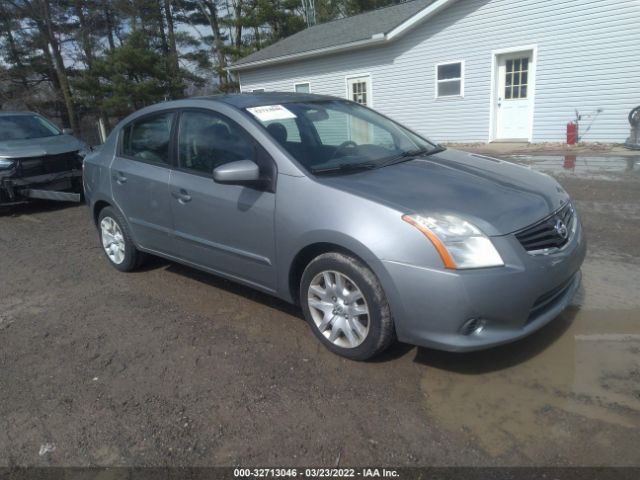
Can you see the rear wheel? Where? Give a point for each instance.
(345, 306)
(116, 241)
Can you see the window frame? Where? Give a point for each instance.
(303, 82)
(437, 82)
(259, 149)
(172, 130)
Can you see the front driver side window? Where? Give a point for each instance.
(207, 140)
(147, 139)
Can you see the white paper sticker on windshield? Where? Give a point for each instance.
(267, 113)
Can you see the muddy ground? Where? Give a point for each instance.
(168, 366)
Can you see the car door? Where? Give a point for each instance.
(226, 228)
(140, 175)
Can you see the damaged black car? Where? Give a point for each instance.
(38, 160)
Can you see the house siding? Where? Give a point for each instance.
(587, 59)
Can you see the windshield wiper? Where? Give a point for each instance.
(411, 154)
(345, 167)
(401, 157)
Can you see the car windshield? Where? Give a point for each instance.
(338, 136)
(23, 127)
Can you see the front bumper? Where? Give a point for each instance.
(431, 306)
(61, 186)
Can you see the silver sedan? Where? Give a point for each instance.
(376, 232)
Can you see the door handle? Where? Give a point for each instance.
(182, 196)
(120, 178)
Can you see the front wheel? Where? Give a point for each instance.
(116, 241)
(345, 306)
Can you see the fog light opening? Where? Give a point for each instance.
(473, 326)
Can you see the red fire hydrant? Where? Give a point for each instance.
(572, 133)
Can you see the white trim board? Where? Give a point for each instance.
(418, 18)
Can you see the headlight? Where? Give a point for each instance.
(6, 164)
(459, 243)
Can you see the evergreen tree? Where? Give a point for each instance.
(105, 58)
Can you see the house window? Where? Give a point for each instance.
(449, 81)
(302, 87)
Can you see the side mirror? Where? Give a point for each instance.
(67, 131)
(238, 172)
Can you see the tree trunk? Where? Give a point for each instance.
(14, 56)
(58, 62)
(85, 40)
(173, 51)
(109, 23)
(87, 47)
(210, 11)
(237, 12)
(163, 35)
(256, 32)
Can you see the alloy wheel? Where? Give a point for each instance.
(112, 240)
(339, 309)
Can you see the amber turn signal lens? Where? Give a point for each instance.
(440, 247)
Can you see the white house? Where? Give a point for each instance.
(472, 70)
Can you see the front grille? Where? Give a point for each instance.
(549, 233)
(33, 166)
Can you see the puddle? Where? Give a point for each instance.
(608, 285)
(577, 380)
(596, 168)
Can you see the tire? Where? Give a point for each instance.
(130, 257)
(334, 291)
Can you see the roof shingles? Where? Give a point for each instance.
(339, 32)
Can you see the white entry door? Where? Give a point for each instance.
(359, 91)
(513, 107)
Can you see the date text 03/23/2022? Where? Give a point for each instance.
(315, 473)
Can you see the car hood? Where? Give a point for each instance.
(498, 196)
(38, 147)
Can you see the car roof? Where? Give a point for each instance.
(245, 100)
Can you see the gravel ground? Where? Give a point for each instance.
(169, 366)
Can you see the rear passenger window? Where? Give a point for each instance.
(147, 139)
